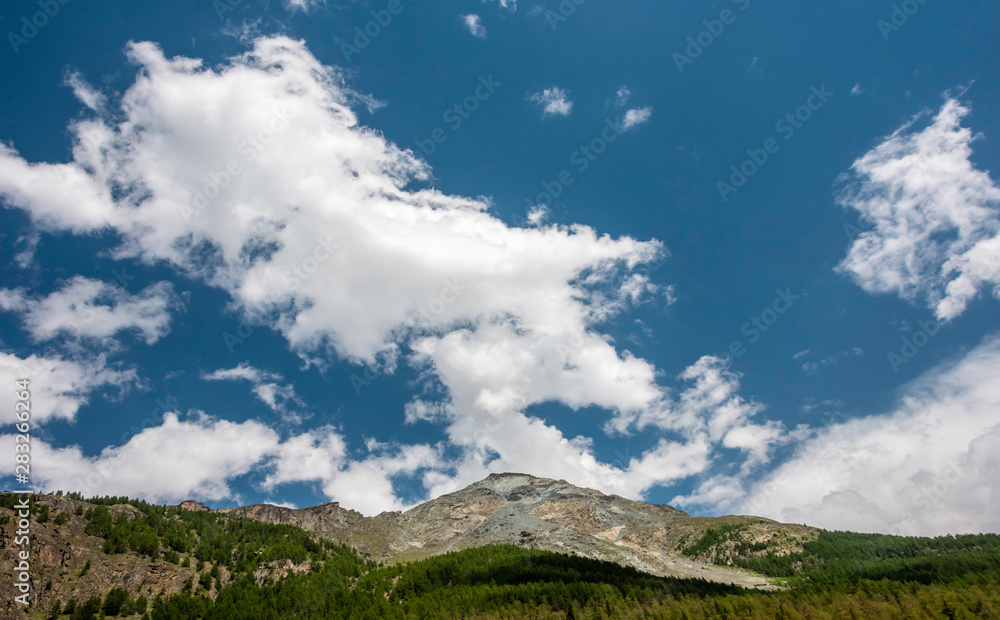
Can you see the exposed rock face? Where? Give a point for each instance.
(516, 509)
(323, 518)
(58, 554)
(192, 505)
(539, 513)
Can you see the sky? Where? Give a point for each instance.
(736, 257)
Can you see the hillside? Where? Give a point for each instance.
(539, 513)
(510, 546)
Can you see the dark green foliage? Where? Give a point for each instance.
(845, 556)
(711, 538)
(137, 606)
(88, 610)
(85, 569)
(511, 582)
(99, 522)
(9, 500)
(60, 518)
(114, 601)
(43, 514)
(839, 575)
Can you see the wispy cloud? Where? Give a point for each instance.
(281, 399)
(636, 117)
(554, 101)
(934, 217)
(474, 25)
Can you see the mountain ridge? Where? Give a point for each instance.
(539, 513)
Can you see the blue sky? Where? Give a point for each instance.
(733, 256)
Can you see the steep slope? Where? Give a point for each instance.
(541, 513)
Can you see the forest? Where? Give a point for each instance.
(839, 575)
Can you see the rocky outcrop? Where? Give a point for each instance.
(323, 518)
(58, 554)
(539, 513)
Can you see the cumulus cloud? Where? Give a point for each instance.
(84, 308)
(554, 101)
(58, 387)
(510, 5)
(934, 217)
(194, 459)
(261, 182)
(622, 96)
(87, 94)
(475, 25)
(200, 458)
(281, 399)
(928, 467)
(636, 117)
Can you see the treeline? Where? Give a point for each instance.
(237, 543)
(838, 575)
(513, 583)
(835, 557)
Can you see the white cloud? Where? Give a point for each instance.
(303, 5)
(510, 5)
(622, 96)
(475, 25)
(58, 387)
(201, 457)
(929, 467)
(857, 90)
(87, 94)
(935, 218)
(193, 460)
(310, 223)
(554, 101)
(636, 117)
(84, 308)
(281, 399)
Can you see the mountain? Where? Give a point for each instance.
(540, 513)
(511, 546)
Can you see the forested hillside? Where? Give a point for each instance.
(242, 569)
